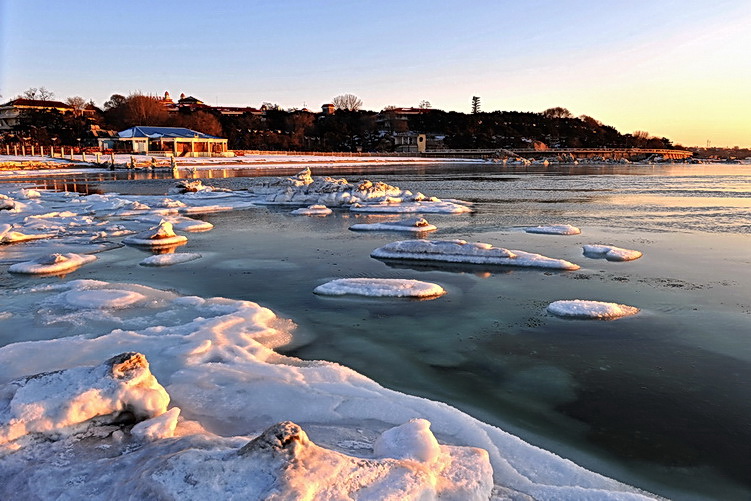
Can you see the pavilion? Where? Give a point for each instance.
(177, 141)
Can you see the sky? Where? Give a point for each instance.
(676, 69)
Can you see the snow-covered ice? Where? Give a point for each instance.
(461, 251)
(237, 403)
(579, 308)
(415, 225)
(161, 235)
(610, 252)
(170, 259)
(52, 263)
(380, 287)
(556, 229)
(312, 210)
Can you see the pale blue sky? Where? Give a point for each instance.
(674, 68)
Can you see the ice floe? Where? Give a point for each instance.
(416, 225)
(238, 414)
(160, 235)
(461, 251)
(170, 259)
(52, 264)
(365, 196)
(556, 229)
(579, 308)
(312, 210)
(610, 252)
(380, 287)
(9, 236)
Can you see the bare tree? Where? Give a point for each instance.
(348, 102)
(557, 112)
(78, 103)
(41, 94)
(114, 101)
(475, 104)
(425, 104)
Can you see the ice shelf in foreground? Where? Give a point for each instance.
(52, 403)
(161, 235)
(415, 225)
(52, 263)
(579, 308)
(312, 210)
(610, 252)
(380, 287)
(215, 358)
(556, 229)
(461, 251)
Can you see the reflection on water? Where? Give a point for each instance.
(659, 400)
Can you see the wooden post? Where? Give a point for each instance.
(83, 156)
(7, 149)
(32, 150)
(98, 157)
(23, 150)
(15, 149)
(71, 153)
(112, 159)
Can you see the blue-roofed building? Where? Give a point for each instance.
(177, 141)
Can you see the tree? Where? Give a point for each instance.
(348, 102)
(114, 101)
(424, 104)
(41, 94)
(557, 112)
(78, 104)
(475, 104)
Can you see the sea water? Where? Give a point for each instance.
(659, 400)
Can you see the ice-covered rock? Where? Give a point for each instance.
(158, 236)
(52, 263)
(610, 252)
(579, 308)
(380, 287)
(415, 225)
(169, 259)
(461, 251)
(312, 210)
(51, 403)
(556, 229)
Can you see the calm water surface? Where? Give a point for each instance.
(660, 400)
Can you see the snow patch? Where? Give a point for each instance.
(169, 259)
(556, 229)
(578, 308)
(380, 287)
(416, 225)
(610, 252)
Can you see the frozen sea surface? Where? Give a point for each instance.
(659, 400)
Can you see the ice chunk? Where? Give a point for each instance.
(162, 426)
(611, 253)
(380, 287)
(313, 210)
(579, 308)
(49, 403)
(103, 298)
(412, 440)
(157, 236)
(556, 229)
(169, 259)
(461, 251)
(410, 225)
(52, 263)
(9, 236)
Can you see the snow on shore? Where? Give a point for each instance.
(380, 287)
(461, 251)
(238, 402)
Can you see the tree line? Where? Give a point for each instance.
(349, 128)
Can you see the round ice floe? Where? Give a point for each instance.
(414, 225)
(380, 287)
(169, 259)
(461, 251)
(103, 298)
(157, 236)
(611, 253)
(556, 229)
(312, 210)
(52, 263)
(579, 308)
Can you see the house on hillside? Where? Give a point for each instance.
(176, 141)
(11, 113)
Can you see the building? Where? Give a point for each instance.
(176, 141)
(12, 111)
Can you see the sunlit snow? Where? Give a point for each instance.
(380, 287)
(578, 308)
(556, 229)
(312, 210)
(169, 259)
(415, 225)
(611, 253)
(52, 263)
